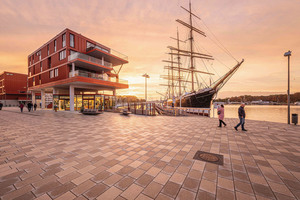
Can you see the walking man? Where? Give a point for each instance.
(29, 106)
(242, 116)
(221, 115)
(1, 105)
(34, 106)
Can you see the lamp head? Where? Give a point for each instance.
(289, 53)
(146, 75)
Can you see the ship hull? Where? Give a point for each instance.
(201, 99)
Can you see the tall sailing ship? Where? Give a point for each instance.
(179, 76)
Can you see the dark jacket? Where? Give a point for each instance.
(242, 112)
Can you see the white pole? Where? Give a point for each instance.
(288, 90)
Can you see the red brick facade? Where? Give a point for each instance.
(12, 86)
(40, 66)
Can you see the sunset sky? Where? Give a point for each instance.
(257, 31)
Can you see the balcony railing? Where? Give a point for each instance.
(89, 58)
(113, 52)
(103, 77)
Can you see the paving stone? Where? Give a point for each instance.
(83, 187)
(130, 157)
(61, 190)
(132, 192)
(203, 195)
(208, 186)
(124, 183)
(152, 189)
(144, 180)
(96, 191)
(262, 190)
(243, 187)
(17, 193)
(223, 194)
(185, 194)
(191, 184)
(112, 179)
(171, 189)
(110, 194)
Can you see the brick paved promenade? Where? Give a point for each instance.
(63, 155)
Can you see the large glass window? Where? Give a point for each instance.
(41, 66)
(64, 40)
(99, 102)
(56, 72)
(51, 74)
(88, 45)
(48, 50)
(49, 62)
(40, 55)
(79, 102)
(62, 55)
(72, 43)
(55, 45)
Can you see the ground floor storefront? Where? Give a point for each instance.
(86, 101)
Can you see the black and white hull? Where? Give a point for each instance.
(199, 99)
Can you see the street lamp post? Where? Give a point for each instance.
(146, 76)
(288, 54)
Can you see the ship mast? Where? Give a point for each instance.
(192, 50)
(178, 59)
(172, 74)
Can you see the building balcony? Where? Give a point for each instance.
(89, 62)
(103, 77)
(114, 57)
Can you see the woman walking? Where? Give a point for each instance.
(21, 107)
(221, 115)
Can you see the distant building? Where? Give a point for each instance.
(76, 71)
(13, 87)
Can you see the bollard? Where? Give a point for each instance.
(295, 119)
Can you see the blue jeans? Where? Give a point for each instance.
(242, 122)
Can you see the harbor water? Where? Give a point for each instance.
(272, 113)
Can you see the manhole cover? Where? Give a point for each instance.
(209, 157)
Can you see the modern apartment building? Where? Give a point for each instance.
(77, 71)
(13, 87)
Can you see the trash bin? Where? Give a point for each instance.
(295, 119)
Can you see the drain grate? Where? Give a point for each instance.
(209, 157)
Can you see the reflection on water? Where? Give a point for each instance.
(273, 113)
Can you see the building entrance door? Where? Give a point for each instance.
(64, 105)
(91, 104)
(88, 104)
